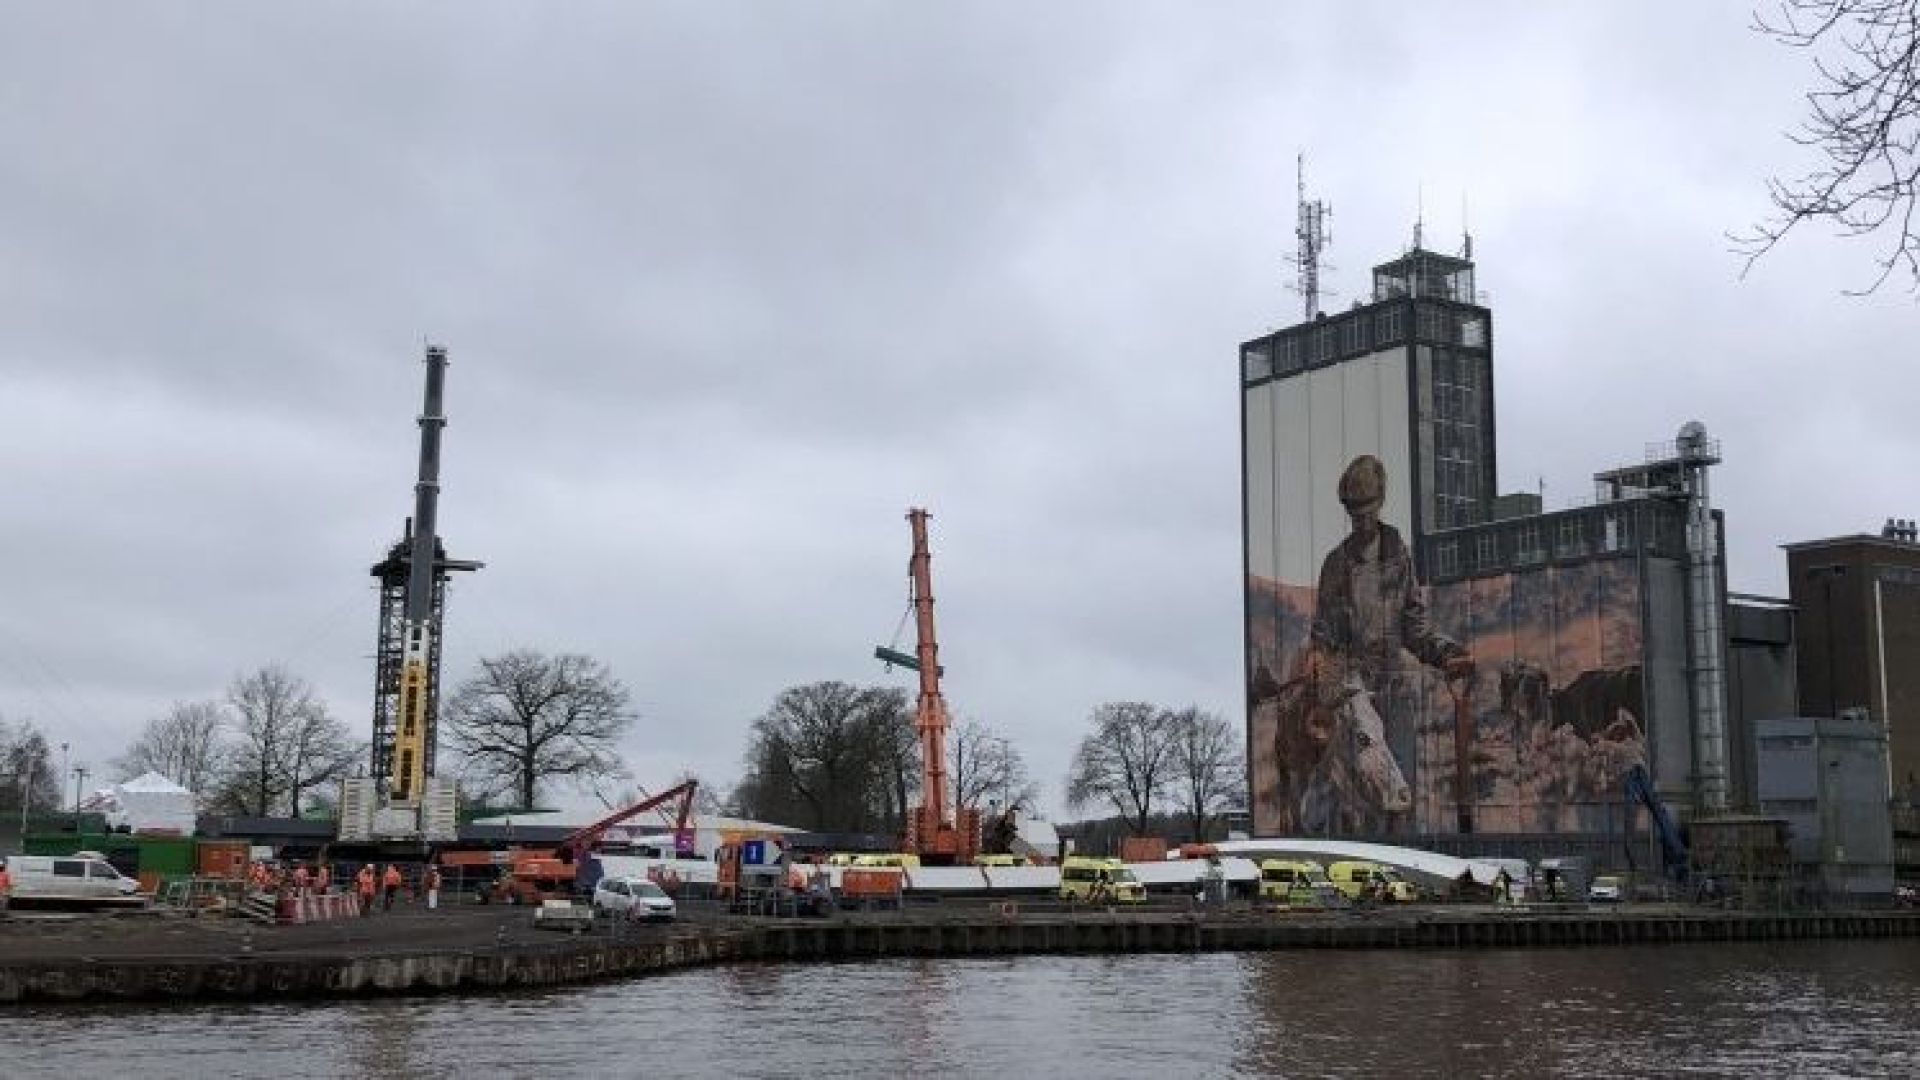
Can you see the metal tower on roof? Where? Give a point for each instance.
(1314, 235)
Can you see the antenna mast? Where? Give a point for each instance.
(1466, 233)
(1312, 232)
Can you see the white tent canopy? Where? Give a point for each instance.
(148, 803)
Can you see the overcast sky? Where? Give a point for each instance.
(727, 288)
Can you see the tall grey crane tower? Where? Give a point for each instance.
(400, 799)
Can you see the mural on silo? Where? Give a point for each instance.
(1509, 703)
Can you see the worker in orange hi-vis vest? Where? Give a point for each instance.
(301, 879)
(6, 885)
(363, 884)
(322, 879)
(433, 888)
(391, 881)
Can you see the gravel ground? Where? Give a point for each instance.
(157, 934)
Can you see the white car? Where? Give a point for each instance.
(1605, 890)
(636, 898)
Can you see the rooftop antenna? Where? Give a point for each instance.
(1466, 231)
(1314, 236)
(1419, 213)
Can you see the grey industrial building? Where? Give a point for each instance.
(1606, 644)
(1652, 520)
(1827, 778)
(1599, 632)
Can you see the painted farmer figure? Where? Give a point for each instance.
(1370, 611)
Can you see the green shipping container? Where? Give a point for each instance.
(165, 856)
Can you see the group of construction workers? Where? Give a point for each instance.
(371, 884)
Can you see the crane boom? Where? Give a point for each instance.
(577, 843)
(399, 798)
(416, 693)
(937, 830)
(930, 714)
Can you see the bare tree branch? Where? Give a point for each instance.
(1862, 122)
(186, 745)
(832, 757)
(1125, 761)
(278, 724)
(987, 769)
(1207, 767)
(319, 751)
(526, 718)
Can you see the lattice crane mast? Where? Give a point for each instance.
(937, 831)
(401, 799)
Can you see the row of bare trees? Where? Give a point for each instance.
(833, 757)
(269, 746)
(523, 722)
(1141, 759)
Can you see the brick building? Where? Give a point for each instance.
(1858, 603)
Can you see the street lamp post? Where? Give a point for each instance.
(66, 762)
(26, 794)
(79, 780)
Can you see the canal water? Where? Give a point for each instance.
(1799, 1009)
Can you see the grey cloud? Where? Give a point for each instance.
(727, 287)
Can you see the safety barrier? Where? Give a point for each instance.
(309, 907)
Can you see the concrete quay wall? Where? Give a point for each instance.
(590, 958)
(1124, 933)
(270, 977)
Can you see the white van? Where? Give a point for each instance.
(84, 875)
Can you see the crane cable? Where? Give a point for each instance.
(901, 627)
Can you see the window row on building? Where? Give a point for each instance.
(1356, 333)
(1502, 547)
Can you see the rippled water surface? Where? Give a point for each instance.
(1834, 1009)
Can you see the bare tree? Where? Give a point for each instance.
(270, 709)
(26, 768)
(185, 745)
(1208, 769)
(832, 757)
(986, 769)
(1862, 124)
(1126, 761)
(319, 751)
(526, 719)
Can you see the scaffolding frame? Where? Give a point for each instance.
(390, 650)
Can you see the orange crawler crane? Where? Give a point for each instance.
(939, 839)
